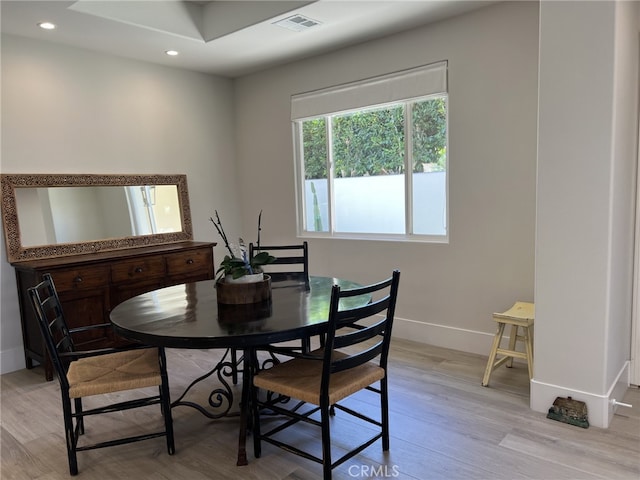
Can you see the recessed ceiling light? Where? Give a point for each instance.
(172, 53)
(47, 25)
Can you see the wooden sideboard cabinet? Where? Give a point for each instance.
(90, 286)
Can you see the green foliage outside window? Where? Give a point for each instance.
(314, 138)
(372, 142)
(430, 135)
(369, 143)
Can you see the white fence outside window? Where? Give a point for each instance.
(357, 208)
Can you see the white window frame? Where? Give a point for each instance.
(405, 87)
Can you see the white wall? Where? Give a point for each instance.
(67, 110)
(586, 190)
(447, 292)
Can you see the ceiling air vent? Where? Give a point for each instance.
(297, 23)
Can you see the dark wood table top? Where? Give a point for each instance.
(189, 316)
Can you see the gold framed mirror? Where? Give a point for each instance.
(55, 215)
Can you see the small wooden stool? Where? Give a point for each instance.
(521, 315)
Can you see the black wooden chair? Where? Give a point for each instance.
(353, 358)
(291, 263)
(291, 267)
(96, 372)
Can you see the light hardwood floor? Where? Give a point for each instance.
(444, 425)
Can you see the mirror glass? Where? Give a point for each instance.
(55, 215)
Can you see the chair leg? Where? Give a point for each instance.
(306, 345)
(326, 442)
(492, 354)
(165, 402)
(249, 362)
(79, 417)
(70, 436)
(165, 407)
(384, 413)
(255, 412)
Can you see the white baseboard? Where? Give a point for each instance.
(469, 341)
(600, 408)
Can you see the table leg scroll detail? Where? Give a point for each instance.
(220, 399)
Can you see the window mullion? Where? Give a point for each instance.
(408, 168)
(299, 172)
(332, 204)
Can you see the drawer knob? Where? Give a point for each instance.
(78, 279)
(190, 261)
(138, 270)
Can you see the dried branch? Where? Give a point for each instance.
(220, 230)
(259, 229)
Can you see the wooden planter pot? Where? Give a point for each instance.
(242, 293)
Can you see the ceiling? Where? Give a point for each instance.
(228, 38)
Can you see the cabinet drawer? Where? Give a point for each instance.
(142, 268)
(81, 278)
(194, 261)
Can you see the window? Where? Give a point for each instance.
(352, 162)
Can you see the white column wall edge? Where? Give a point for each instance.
(600, 410)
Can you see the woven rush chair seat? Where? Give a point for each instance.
(97, 372)
(354, 358)
(300, 379)
(114, 372)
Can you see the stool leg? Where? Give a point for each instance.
(528, 343)
(512, 343)
(492, 354)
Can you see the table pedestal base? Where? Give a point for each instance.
(220, 399)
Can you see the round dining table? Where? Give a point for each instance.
(190, 316)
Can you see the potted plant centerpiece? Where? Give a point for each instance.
(241, 279)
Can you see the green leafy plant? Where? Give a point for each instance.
(239, 264)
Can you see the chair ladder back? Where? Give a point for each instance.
(57, 324)
(360, 333)
(300, 274)
(349, 316)
(52, 323)
(287, 261)
(355, 359)
(302, 246)
(356, 337)
(367, 289)
(390, 315)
